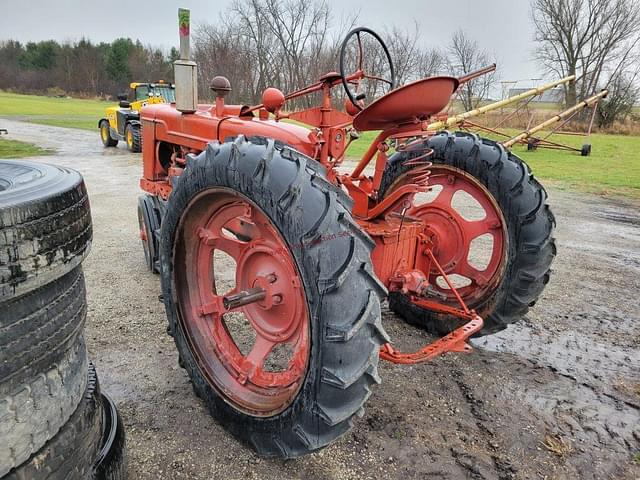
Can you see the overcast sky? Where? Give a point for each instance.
(502, 27)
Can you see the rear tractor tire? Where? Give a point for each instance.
(105, 135)
(132, 137)
(517, 224)
(298, 242)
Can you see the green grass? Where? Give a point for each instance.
(613, 168)
(15, 149)
(60, 112)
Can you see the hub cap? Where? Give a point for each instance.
(220, 221)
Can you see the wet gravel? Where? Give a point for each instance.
(556, 396)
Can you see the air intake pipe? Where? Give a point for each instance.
(185, 70)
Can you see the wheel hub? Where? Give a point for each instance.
(275, 316)
(446, 237)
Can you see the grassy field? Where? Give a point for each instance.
(15, 149)
(61, 112)
(612, 168)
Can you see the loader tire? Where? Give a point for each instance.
(105, 135)
(132, 137)
(332, 257)
(529, 224)
(70, 455)
(45, 225)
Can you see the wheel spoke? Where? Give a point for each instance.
(232, 247)
(211, 305)
(444, 198)
(442, 201)
(259, 352)
(472, 230)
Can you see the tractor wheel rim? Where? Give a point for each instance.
(129, 138)
(104, 132)
(263, 261)
(452, 235)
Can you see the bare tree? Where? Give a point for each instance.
(262, 43)
(405, 51)
(465, 56)
(430, 62)
(618, 105)
(592, 39)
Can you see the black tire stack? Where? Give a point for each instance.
(54, 421)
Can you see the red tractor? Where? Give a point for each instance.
(311, 251)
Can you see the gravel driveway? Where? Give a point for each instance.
(556, 396)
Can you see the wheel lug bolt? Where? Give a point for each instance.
(271, 278)
(277, 299)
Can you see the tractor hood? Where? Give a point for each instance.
(204, 126)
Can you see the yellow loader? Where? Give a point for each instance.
(122, 122)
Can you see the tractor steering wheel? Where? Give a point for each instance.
(355, 78)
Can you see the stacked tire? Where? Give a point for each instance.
(54, 421)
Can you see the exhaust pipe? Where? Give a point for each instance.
(185, 71)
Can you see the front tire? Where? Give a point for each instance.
(328, 256)
(529, 224)
(132, 137)
(105, 135)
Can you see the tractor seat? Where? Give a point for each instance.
(414, 101)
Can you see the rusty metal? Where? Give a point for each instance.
(456, 341)
(556, 118)
(477, 73)
(268, 292)
(453, 342)
(244, 297)
(411, 103)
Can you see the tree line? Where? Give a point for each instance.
(81, 68)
